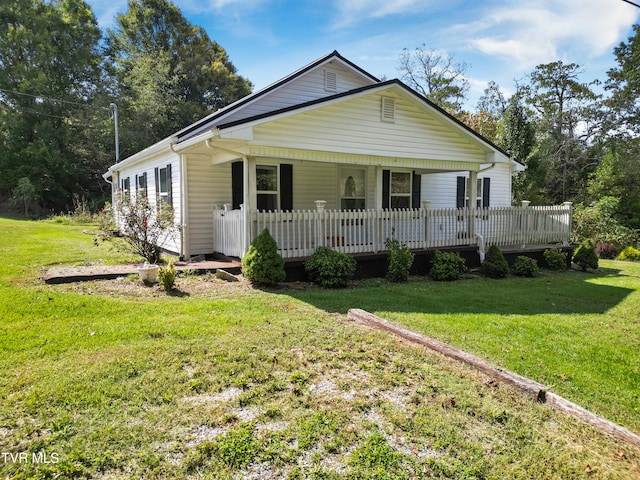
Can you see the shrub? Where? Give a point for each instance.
(585, 256)
(400, 260)
(556, 259)
(329, 268)
(447, 266)
(629, 254)
(495, 265)
(143, 225)
(262, 263)
(167, 276)
(606, 250)
(600, 223)
(525, 266)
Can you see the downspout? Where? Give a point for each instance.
(184, 231)
(487, 168)
(245, 180)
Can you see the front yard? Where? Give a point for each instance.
(111, 380)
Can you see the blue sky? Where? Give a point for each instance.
(500, 40)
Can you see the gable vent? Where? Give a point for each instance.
(388, 113)
(330, 81)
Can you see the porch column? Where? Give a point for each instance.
(249, 200)
(378, 192)
(473, 195)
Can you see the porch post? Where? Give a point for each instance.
(473, 195)
(378, 192)
(249, 200)
(568, 206)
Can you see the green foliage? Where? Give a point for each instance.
(375, 458)
(495, 265)
(447, 266)
(630, 254)
(24, 196)
(525, 266)
(262, 263)
(329, 268)
(400, 260)
(169, 71)
(585, 256)
(598, 224)
(556, 259)
(143, 226)
(167, 276)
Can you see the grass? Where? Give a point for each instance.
(231, 382)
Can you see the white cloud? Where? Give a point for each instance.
(542, 31)
(351, 12)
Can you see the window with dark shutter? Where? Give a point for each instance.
(163, 185)
(415, 190)
(237, 184)
(461, 192)
(486, 188)
(286, 187)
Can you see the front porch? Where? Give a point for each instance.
(298, 233)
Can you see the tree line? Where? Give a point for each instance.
(59, 74)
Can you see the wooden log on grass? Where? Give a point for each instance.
(530, 387)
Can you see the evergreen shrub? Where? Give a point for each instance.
(495, 265)
(447, 266)
(329, 268)
(262, 264)
(585, 256)
(525, 266)
(556, 259)
(606, 250)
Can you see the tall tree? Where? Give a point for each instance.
(435, 75)
(624, 84)
(563, 105)
(49, 71)
(168, 72)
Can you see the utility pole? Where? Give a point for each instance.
(114, 108)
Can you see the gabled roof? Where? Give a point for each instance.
(213, 119)
(380, 85)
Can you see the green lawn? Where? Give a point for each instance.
(114, 380)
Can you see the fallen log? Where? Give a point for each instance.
(536, 390)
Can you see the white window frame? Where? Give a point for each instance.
(343, 174)
(399, 195)
(269, 192)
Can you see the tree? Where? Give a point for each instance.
(49, 76)
(624, 85)
(436, 76)
(168, 72)
(563, 107)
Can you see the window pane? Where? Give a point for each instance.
(267, 178)
(400, 182)
(163, 180)
(400, 202)
(267, 201)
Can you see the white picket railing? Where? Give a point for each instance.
(299, 233)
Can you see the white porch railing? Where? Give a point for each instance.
(299, 233)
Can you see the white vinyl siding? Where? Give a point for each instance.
(309, 86)
(354, 127)
(209, 187)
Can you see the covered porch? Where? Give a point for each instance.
(299, 232)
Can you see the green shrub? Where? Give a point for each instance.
(585, 256)
(400, 260)
(262, 263)
(525, 266)
(447, 266)
(329, 268)
(495, 265)
(629, 254)
(556, 259)
(167, 276)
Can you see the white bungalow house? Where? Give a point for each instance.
(331, 155)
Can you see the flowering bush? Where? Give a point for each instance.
(143, 226)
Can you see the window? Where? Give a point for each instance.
(267, 187)
(163, 185)
(126, 188)
(400, 190)
(482, 193)
(141, 185)
(352, 189)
